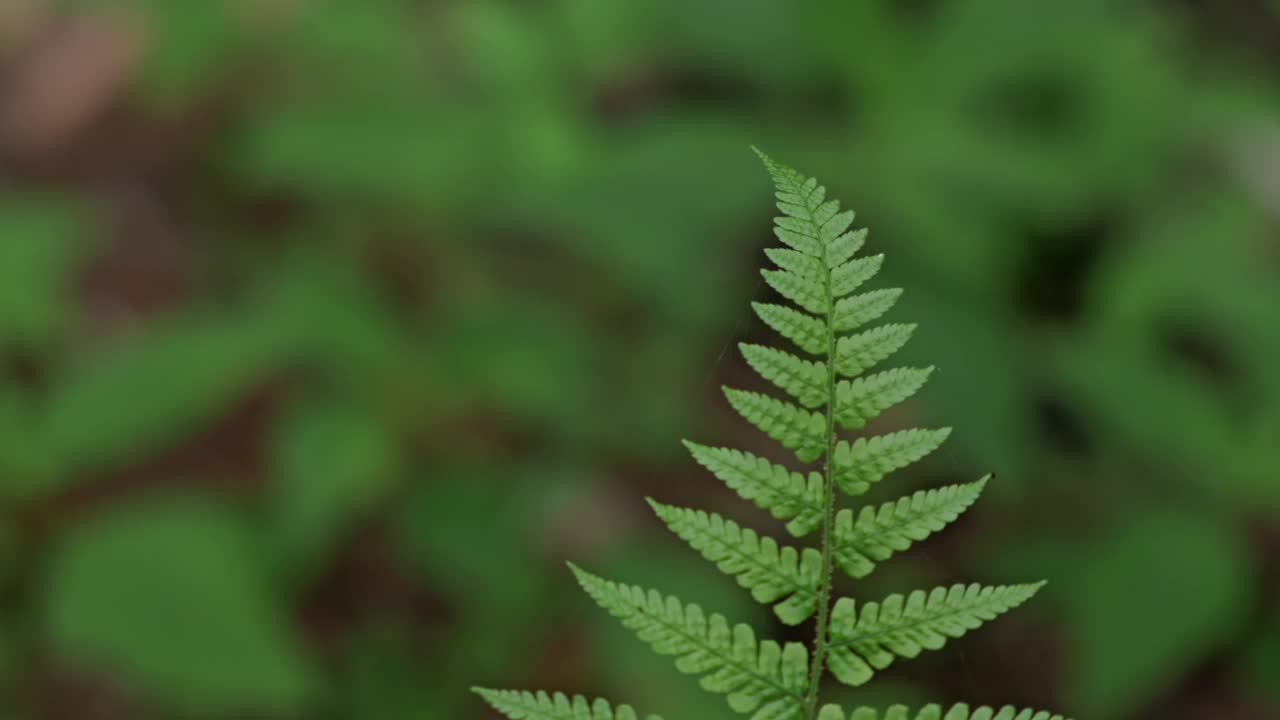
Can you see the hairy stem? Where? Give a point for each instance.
(820, 644)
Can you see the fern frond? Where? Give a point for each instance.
(524, 705)
(856, 353)
(806, 331)
(804, 380)
(854, 312)
(862, 643)
(760, 678)
(798, 430)
(771, 573)
(861, 400)
(959, 711)
(851, 275)
(878, 533)
(856, 466)
(784, 494)
(805, 292)
(815, 271)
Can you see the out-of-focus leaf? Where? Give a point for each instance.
(151, 390)
(336, 325)
(1150, 599)
(380, 678)
(330, 464)
(326, 37)
(187, 44)
(169, 596)
(767, 47)
(38, 251)
(1262, 662)
(981, 377)
(536, 361)
(25, 465)
(492, 573)
(361, 149)
(1188, 374)
(690, 216)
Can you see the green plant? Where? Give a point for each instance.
(817, 271)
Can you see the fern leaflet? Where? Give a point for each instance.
(771, 573)
(861, 400)
(806, 331)
(851, 275)
(856, 354)
(797, 429)
(878, 533)
(762, 679)
(804, 380)
(805, 266)
(800, 290)
(785, 494)
(852, 313)
(857, 465)
(903, 627)
(522, 705)
(960, 711)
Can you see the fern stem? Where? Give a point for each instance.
(826, 580)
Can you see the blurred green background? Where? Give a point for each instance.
(330, 328)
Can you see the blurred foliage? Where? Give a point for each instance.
(320, 318)
(194, 619)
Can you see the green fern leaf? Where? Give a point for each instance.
(854, 312)
(806, 331)
(879, 533)
(772, 574)
(856, 466)
(856, 353)
(816, 271)
(782, 493)
(810, 223)
(524, 705)
(851, 275)
(861, 400)
(815, 228)
(798, 196)
(959, 711)
(760, 678)
(805, 292)
(797, 429)
(833, 227)
(862, 643)
(843, 248)
(804, 380)
(806, 266)
(794, 232)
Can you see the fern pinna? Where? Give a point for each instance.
(766, 680)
